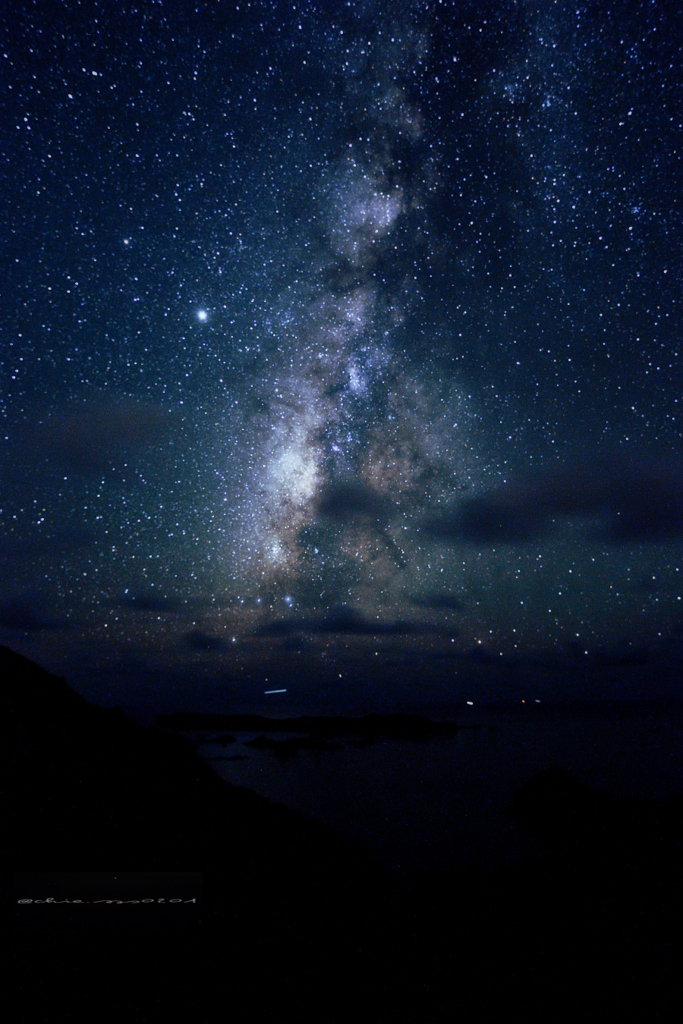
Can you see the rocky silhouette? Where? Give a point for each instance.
(362, 731)
(410, 727)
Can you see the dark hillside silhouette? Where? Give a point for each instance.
(300, 925)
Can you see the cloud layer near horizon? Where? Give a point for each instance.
(347, 620)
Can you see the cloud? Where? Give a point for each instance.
(346, 499)
(199, 641)
(350, 500)
(148, 601)
(34, 542)
(345, 620)
(93, 437)
(439, 602)
(493, 518)
(640, 500)
(29, 612)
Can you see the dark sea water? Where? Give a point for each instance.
(444, 803)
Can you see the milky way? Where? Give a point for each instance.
(323, 311)
(340, 402)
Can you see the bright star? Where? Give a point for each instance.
(202, 315)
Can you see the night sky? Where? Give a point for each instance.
(339, 335)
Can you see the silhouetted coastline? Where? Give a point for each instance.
(306, 926)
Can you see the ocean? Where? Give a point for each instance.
(444, 803)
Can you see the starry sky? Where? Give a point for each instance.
(336, 332)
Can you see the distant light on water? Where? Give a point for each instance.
(275, 691)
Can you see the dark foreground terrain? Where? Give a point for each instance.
(294, 924)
